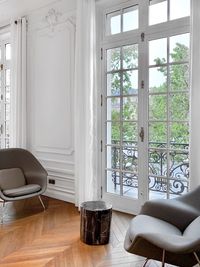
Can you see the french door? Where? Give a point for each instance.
(5, 57)
(145, 116)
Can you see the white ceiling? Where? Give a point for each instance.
(13, 8)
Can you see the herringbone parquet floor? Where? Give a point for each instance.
(30, 237)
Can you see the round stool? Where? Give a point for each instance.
(95, 222)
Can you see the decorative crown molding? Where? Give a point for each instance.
(52, 18)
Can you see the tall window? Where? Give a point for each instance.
(5, 58)
(146, 49)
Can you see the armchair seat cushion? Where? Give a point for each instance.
(22, 190)
(144, 226)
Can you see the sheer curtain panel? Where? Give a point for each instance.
(18, 84)
(86, 185)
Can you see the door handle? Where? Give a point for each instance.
(141, 134)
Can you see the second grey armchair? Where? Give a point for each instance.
(167, 231)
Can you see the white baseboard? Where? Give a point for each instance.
(65, 196)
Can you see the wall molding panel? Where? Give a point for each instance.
(51, 56)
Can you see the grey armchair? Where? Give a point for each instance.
(21, 175)
(167, 231)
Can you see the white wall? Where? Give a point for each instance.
(50, 70)
(51, 40)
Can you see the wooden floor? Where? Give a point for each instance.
(30, 237)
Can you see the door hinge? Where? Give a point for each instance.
(101, 146)
(142, 84)
(1, 129)
(142, 36)
(101, 53)
(101, 191)
(1, 96)
(101, 100)
(1, 66)
(141, 134)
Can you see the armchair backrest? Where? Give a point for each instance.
(11, 178)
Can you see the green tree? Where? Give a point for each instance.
(130, 57)
(178, 102)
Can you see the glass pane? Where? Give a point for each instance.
(179, 8)
(157, 188)
(7, 111)
(130, 185)
(179, 165)
(158, 134)
(179, 135)
(113, 59)
(7, 143)
(179, 106)
(157, 11)
(8, 94)
(130, 82)
(130, 159)
(130, 133)
(113, 84)
(113, 23)
(179, 77)
(179, 47)
(158, 107)
(130, 108)
(113, 108)
(113, 133)
(7, 129)
(8, 51)
(113, 182)
(130, 18)
(113, 157)
(158, 79)
(158, 51)
(158, 162)
(130, 56)
(7, 77)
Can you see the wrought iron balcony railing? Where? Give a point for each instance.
(164, 175)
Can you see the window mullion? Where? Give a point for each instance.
(168, 119)
(121, 123)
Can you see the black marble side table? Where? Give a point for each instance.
(95, 222)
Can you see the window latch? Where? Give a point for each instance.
(142, 36)
(141, 134)
(1, 129)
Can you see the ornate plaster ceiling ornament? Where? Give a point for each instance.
(52, 18)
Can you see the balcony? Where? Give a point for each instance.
(168, 170)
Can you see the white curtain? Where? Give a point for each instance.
(86, 187)
(18, 84)
(195, 95)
